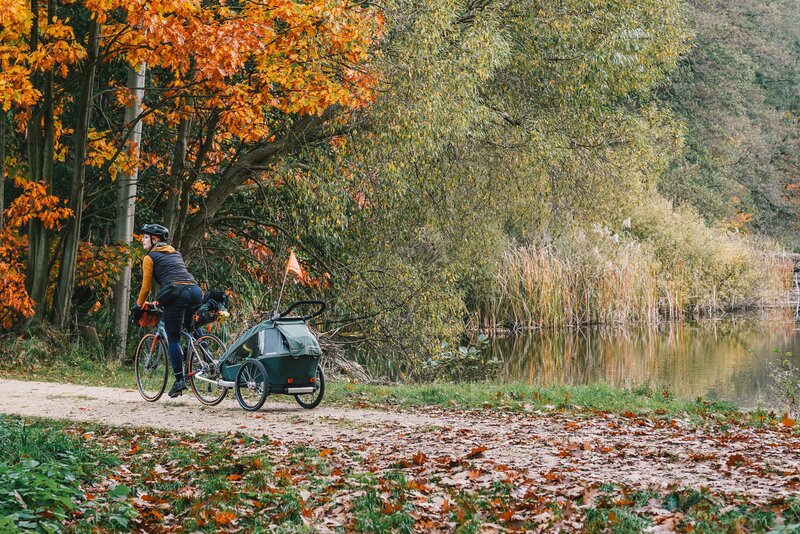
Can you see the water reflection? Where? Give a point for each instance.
(717, 359)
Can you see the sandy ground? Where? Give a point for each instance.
(554, 446)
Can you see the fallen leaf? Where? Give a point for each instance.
(477, 452)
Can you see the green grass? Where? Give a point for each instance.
(41, 470)
(525, 397)
(515, 396)
(33, 359)
(621, 510)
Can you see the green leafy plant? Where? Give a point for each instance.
(469, 363)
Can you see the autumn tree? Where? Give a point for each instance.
(230, 89)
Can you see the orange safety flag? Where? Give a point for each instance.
(294, 266)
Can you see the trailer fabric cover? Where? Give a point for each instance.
(301, 341)
(244, 338)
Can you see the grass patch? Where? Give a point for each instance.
(621, 509)
(42, 469)
(524, 397)
(515, 396)
(28, 359)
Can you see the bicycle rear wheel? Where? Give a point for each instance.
(152, 367)
(207, 349)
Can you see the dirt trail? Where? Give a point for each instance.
(553, 447)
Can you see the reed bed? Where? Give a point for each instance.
(548, 286)
(665, 265)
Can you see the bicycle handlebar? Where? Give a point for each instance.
(285, 312)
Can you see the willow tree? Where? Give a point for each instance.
(498, 121)
(736, 90)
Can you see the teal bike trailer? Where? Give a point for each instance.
(278, 356)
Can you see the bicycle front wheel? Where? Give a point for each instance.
(207, 349)
(152, 367)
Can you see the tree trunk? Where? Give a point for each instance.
(306, 131)
(171, 214)
(195, 172)
(42, 149)
(2, 166)
(126, 206)
(66, 277)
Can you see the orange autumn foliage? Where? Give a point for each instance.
(16, 88)
(14, 300)
(98, 267)
(236, 74)
(36, 203)
(33, 203)
(293, 57)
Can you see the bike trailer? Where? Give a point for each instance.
(285, 347)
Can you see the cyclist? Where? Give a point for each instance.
(179, 293)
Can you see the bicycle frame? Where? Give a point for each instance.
(191, 346)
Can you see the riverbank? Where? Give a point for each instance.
(180, 466)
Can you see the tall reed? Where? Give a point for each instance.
(665, 263)
(583, 282)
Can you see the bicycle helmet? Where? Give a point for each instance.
(157, 230)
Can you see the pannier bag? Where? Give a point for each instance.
(146, 316)
(214, 303)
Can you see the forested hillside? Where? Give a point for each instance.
(738, 93)
(436, 168)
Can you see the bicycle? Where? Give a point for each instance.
(151, 363)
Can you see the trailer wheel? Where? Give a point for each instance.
(251, 386)
(312, 400)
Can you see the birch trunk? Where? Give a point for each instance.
(126, 206)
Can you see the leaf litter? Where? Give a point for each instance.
(337, 469)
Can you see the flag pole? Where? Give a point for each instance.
(280, 295)
(294, 266)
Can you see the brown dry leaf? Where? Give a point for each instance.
(223, 517)
(419, 458)
(389, 508)
(477, 452)
(475, 474)
(735, 460)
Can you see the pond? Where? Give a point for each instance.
(731, 358)
(728, 359)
